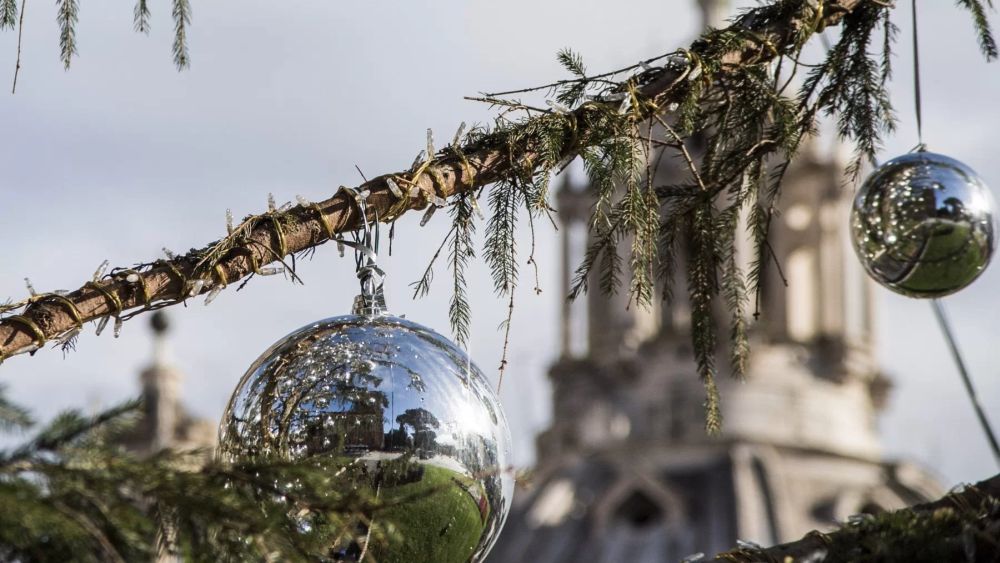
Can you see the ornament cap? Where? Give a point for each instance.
(370, 305)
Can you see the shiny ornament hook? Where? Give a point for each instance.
(371, 301)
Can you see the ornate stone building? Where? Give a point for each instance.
(626, 474)
(165, 422)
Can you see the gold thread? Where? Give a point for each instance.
(70, 306)
(109, 295)
(354, 196)
(270, 249)
(146, 297)
(30, 324)
(221, 272)
(401, 204)
(177, 273)
(414, 183)
(574, 127)
(423, 167)
(281, 236)
(466, 166)
(437, 180)
(818, 23)
(251, 257)
(324, 221)
(763, 41)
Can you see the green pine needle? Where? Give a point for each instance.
(984, 34)
(141, 16)
(461, 251)
(182, 19)
(8, 14)
(67, 12)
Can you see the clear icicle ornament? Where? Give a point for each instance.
(923, 225)
(401, 409)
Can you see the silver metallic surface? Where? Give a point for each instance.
(381, 391)
(923, 225)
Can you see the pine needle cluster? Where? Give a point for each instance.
(746, 119)
(72, 493)
(750, 121)
(67, 16)
(963, 532)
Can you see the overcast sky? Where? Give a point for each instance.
(122, 155)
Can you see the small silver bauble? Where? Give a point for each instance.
(380, 393)
(923, 225)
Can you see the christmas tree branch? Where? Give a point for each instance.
(757, 37)
(961, 526)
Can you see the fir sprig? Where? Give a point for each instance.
(500, 252)
(461, 251)
(8, 14)
(68, 428)
(851, 86)
(573, 62)
(141, 16)
(182, 19)
(67, 12)
(984, 33)
(12, 416)
(733, 289)
(72, 494)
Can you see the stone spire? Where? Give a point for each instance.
(165, 423)
(160, 388)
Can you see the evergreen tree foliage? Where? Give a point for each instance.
(8, 14)
(70, 493)
(67, 18)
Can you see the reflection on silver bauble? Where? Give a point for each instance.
(923, 225)
(381, 392)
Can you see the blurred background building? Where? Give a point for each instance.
(165, 422)
(626, 472)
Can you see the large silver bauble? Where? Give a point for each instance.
(923, 225)
(379, 391)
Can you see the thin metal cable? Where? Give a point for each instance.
(960, 363)
(916, 80)
(938, 307)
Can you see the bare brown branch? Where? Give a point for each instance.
(272, 236)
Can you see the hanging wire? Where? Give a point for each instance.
(917, 105)
(942, 320)
(939, 312)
